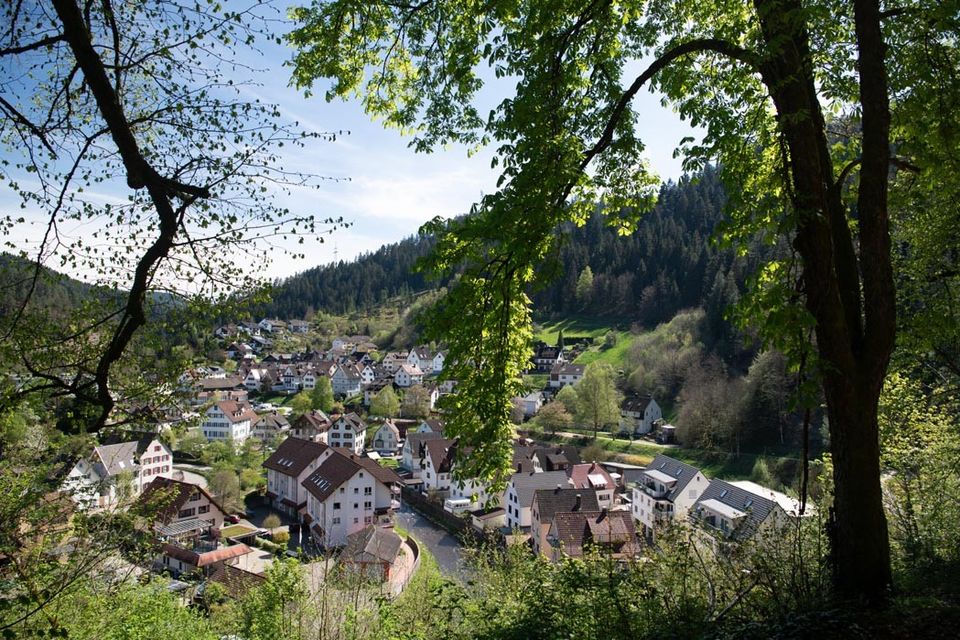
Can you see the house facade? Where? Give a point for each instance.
(287, 468)
(562, 374)
(345, 494)
(665, 492)
(638, 415)
(230, 421)
(520, 491)
(386, 439)
(348, 431)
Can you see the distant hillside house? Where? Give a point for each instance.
(346, 380)
(546, 356)
(408, 375)
(229, 421)
(562, 374)
(638, 415)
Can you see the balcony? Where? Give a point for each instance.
(652, 490)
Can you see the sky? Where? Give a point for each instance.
(385, 190)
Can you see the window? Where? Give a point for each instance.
(336, 505)
(368, 505)
(356, 505)
(204, 508)
(367, 520)
(356, 490)
(156, 447)
(342, 489)
(195, 497)
(186, 513)
(336, 521)
(367, 491)
(356, 521)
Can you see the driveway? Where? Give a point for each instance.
(444, 547)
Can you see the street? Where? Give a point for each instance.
(444, 547)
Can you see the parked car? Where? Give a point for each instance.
(232, 518)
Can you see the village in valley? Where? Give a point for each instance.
(346, 440)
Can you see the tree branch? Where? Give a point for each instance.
(702, 45)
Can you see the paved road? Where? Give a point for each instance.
(444, 547)
(190, 476)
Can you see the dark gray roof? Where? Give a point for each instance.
(549, 502)
(294, 455)
(682, 471)
(371, 544)
(525, 484)
(757, 508)
(339, 468)
(635, 403)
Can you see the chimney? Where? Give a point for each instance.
(576, 505)
(557, 490)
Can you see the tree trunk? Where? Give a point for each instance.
(854, 331)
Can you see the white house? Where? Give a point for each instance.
(735, 513)
(437, 465)
(413, 451)
(394, 359)
(439, 360)
(348, 431)
(386, 439)
(592, 477)
(113, 472)
(345, 494)
(269, 426)
(312, 426)
(520, 490)
(532, 404)
(346, 380)
(665, 492)
(229, 420)
(287, 468)
(408, 375)
(253, 378)
(637, 415)
(562, 374)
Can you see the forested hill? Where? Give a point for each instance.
(53, 291)
(667, 265)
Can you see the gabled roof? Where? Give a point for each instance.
(353, 421)
(122, 456)
(339, 468)
(172, 495)
(613, 530)
(371, 544)
(273, 421)
(525, 484)
(567, 369)
(236, 581)
(590, 476)
(237, 411)
(635, 404)
(411, 370)
(294, 455)
(682, 471)
(441, 452)
(549, 502)
(348, 371)
(731, 501)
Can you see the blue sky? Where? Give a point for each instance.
(391, 189)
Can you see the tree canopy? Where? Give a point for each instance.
(802, 104)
